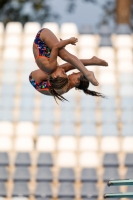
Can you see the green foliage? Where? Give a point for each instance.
(25, 10)
(72, 4)
(109, 12)
(40, 11)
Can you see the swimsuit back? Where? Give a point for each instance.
(43, 49)
(42, 85)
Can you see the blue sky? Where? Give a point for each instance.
(84, 14)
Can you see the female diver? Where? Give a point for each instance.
(51, 79)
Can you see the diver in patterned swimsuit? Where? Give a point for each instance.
(51, 79)
(46, 60)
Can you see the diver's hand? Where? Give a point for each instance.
(73, 40)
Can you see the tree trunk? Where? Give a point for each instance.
(123, 11)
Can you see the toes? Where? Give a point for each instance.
(95, 84)
(92, 79)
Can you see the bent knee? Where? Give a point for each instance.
(56, 46)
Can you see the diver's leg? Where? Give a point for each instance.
(50, 39)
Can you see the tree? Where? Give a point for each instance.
(123, 11)
(30, 10)
(72, 4)
(25, 10)
(117, 11)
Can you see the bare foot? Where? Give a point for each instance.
(98, 61)
(90, 76)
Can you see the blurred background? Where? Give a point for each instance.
(66, 151)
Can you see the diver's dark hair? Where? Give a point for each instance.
(84, 84)
(57, 84)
